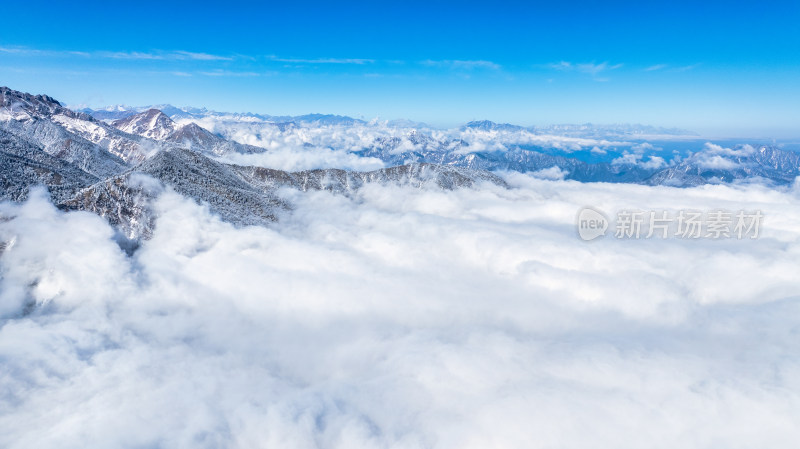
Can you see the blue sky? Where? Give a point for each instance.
(721, 68)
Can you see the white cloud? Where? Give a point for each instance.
(711, 148)
(637, 157)
(653, 163)
(598, 150)
(627, 158)
(458, 64)
(199, 56)
(590, 68)
(655, 67)
(334, 143)
(290, 159)
(686, 68)
(229, 73)
(356, 61)
(562, 65)
(716, 162)
(637, 154)
(644, 147)
(402, 318)
(595, 69)
(716, 157)
(552, 173)
(160, 55)
(133, 55)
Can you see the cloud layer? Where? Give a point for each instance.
(324, 146)
(402, 318)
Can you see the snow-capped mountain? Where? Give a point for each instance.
(36, 115)
(151, 123)
(238, 194)
(119, 112)
(132, 139)
(81, 162)
(108, 113)
(459, 154)
(487, 125)
(484, 145)
(712, 164)
(586, 130)
(40, 121)
(155, 125)
(717, 165)
(616, 130)
(193, 136)
(23, 165)
(116, 168)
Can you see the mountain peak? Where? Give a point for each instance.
(151, 123)
(33, 105)
(488, 125)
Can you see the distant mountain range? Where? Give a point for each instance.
(240, 195)
(587, 130)
(118, 112)
(116, 169)
(583, 130)
(115, 161)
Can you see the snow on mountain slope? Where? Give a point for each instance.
(19, 104)
(241, 195)
(197, 138)
(715, 164)
(128, 147)
(484, 145)
(28, 110)
(132, 139)
(156, 125)
(151, 123)
(317, 141)
(24, 165)
(109, 113)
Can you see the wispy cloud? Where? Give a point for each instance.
(594, 69)
(160, 55)
(185, 55)
(655, 67)
(230, 73)
(128, 55)
(25, 51)
(200, 56)
(561, 65)
(356, 61)
(12, 50)
(460, 64)
(590, 68)
(686, 67)
(179, 55)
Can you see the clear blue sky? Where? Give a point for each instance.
(716, 67)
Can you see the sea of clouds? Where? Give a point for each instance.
(338, 146)
(403, 318)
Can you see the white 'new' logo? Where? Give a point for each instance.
(591, 223)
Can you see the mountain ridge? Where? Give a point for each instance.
(117, 169)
